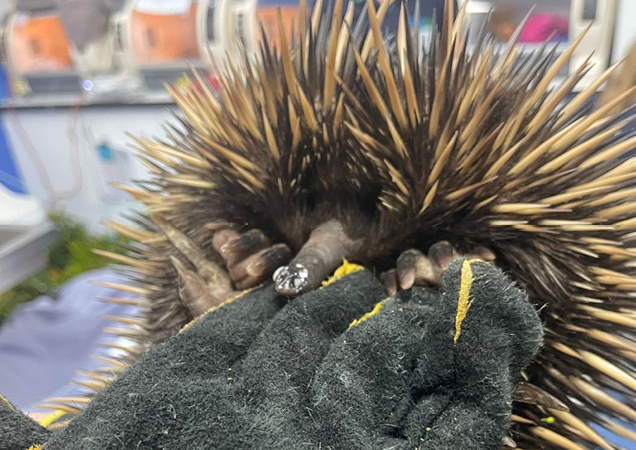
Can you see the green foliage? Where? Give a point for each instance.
(69, 255)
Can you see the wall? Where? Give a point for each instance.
(63, 146)
(625, 33)
(6, 6)
(523, 6)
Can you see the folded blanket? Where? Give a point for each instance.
(341, 367)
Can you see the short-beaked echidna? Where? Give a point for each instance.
(344, 143)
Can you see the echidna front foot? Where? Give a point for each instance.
(413, 268)
(250, 257)
(323, 252)
(203, 284)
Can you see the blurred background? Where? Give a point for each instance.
(77, 75)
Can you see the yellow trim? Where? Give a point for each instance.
(376, 309)
(214, 308)
(48, 420)
(345, 269)
(464, 302)
(36, 447)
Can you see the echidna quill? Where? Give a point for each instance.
(346, 144)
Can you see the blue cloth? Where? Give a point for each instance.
(45, 341)
(9, 173)
(624, 443)
(5, 91)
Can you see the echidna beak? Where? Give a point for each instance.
(291, 280)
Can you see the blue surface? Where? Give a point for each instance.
(627, 444)
(43, 342)
(9, 173)
(4, 84)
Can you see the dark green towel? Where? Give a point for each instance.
(337, 368)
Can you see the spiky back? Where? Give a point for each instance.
(406, 145)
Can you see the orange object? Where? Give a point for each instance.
(158, 39)
(267, 16)
(39, 44)
(503, 23)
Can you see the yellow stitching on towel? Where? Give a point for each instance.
(48, 420)
(214, 308)
(345, 269)
(376, 309)
(464, 303)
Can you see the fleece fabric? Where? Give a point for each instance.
(337, 368)
(17, 431)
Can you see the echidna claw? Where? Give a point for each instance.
(525, 392)
(292, 280)
(243, 245)
(267, 261)
(258, 267)
(414, 268)
(443, 253)
(390, 281)
(249, 258)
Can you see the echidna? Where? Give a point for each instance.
(350, 144)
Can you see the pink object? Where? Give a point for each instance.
(541, 26)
